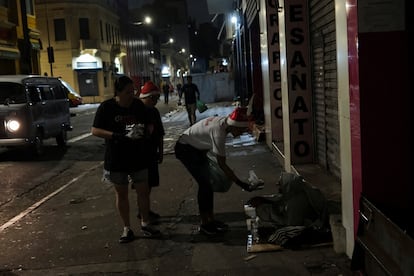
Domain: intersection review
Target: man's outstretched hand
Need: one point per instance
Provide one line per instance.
(245, 186)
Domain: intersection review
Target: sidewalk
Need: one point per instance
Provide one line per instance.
(76, 232)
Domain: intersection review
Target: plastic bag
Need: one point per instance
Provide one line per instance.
(201, 106)
(218, 180)
(255, 182)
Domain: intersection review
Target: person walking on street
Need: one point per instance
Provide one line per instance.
(179, 92)
(124, 123)
(191, 95)
(166, 91)
(191, 149)
(149, 95)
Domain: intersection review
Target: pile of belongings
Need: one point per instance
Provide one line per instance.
(294, 217)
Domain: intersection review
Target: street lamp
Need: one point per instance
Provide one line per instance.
(169, 41)
(147, 21)
(139, 47)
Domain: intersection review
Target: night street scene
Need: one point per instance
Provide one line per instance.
(206, 137)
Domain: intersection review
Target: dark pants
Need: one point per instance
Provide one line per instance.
(196, 162)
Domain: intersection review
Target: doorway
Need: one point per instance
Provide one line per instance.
(88, 83)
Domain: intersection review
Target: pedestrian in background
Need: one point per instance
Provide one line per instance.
(149, 95)
(191, 149)
(124, 123)
(179, 92)
(191, 95)
(166, 91)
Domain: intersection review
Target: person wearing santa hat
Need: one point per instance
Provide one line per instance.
(209, 135)
(150, 95)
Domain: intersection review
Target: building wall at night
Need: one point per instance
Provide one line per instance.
(346, 44)
(19, 38)
(87, 45)
(169, 20)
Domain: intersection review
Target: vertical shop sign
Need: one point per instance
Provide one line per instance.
(299, 86)
(274, 70)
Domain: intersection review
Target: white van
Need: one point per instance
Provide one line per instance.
(33, 108)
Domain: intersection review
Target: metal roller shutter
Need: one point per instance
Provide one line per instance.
(324, 80)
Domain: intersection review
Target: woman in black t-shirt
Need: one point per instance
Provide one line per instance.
(125, 124)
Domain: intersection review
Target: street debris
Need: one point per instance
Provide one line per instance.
(251, 257)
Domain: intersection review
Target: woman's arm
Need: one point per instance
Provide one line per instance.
(102, 133)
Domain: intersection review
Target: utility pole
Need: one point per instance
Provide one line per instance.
(26, 47)
(50, 53)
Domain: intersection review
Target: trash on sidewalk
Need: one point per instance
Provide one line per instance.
(254, 244)
(258, 132)
(243, 140)
(250, 257)
(263, 247)
(295, 217)
(77, 200)
(255, 182)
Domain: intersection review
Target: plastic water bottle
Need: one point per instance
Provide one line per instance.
(255, 229)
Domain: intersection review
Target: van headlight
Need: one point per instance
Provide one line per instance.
(13, 125)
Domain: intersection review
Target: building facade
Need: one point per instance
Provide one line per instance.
(333, 79)
(19, 38)
(83, 44)
(166, 54)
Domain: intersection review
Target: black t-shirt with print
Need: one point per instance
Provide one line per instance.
(124, 155)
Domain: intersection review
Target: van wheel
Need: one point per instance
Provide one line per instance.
(62, 138)
(37, 147)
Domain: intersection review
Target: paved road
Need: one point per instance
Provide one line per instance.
(75, 231)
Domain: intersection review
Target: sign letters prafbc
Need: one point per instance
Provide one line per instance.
(274, 70)
(299, 76)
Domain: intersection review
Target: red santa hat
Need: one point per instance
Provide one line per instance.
(238, 117)
(149, 89)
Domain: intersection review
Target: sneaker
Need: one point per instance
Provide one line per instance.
(209, 229)
(152, 216)
(221, 226)
(127, 236)
(150, 232)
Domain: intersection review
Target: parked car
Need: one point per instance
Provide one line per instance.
(33, 108)
(74, 98)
